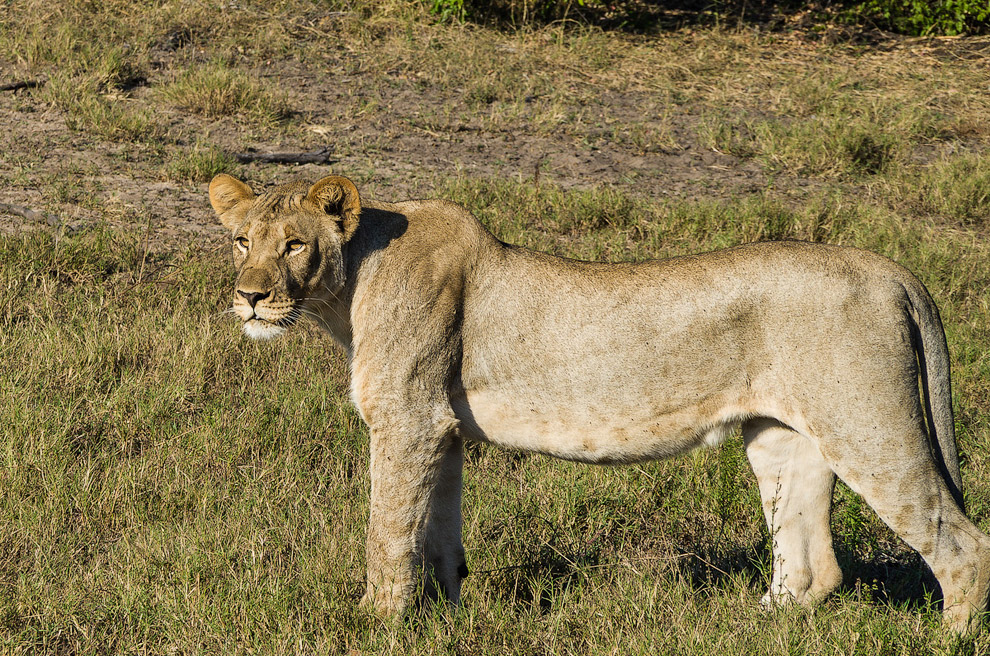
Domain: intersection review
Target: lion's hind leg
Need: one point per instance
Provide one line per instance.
(796, 488)
(906, 489)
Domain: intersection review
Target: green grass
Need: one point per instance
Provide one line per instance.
(954, 188)
(829, 126)
(94, 55)
(198, 164)
(91, 106)
(171, 486)
(216, 90)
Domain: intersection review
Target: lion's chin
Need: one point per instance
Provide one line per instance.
(262, 330)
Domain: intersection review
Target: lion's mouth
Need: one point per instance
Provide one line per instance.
(257, 327)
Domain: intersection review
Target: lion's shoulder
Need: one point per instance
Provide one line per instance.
(439, 231)
(425, 248)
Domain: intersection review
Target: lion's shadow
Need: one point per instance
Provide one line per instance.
(547, 570)
(884, 580)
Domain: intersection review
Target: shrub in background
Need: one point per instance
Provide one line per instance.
(514, 12)
(912, 17)
(931, 17)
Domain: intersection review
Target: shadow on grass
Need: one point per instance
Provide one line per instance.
(548, 569)
(904, 582)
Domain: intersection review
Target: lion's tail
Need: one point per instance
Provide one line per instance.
(933, 366)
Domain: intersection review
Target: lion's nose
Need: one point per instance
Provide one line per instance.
(253, 297)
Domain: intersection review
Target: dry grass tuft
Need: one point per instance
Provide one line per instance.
(215, 90)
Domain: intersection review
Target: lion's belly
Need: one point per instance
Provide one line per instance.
(592, 432)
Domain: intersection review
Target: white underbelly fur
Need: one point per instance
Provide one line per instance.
(590, 433)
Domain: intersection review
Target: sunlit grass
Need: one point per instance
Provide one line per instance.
(170, 487)
(198, 164)
(216, 90)
(173, 485)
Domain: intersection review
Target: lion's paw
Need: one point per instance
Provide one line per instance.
(777, 599)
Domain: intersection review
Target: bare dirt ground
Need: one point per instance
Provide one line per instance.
(403, 160)
(396, 131)
(391, 151)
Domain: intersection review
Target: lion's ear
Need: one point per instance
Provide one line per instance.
(338, 196)
(225, 192)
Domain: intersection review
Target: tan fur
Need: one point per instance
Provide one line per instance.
(814, 351)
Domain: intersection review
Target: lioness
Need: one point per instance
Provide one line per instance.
(814, 351)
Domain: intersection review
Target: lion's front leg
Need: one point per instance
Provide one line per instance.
(445, 564)
(407, 463)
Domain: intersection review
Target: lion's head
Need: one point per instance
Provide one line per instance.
(288, 247)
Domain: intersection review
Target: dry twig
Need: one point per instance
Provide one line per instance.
(21, 84)
(31, 215)
(313, 157)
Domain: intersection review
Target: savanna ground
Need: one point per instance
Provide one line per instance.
(169, 487)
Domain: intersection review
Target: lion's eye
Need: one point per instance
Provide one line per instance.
(242, 243)
(294, 246)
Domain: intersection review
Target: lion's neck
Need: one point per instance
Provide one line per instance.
(334, 316)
